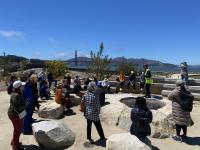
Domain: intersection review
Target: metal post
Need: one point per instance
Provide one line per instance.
(76, 58)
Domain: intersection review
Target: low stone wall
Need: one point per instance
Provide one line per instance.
(165, 93)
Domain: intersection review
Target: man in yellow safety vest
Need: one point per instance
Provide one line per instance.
(148, 80)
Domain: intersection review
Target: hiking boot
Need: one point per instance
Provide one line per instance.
(177, 138)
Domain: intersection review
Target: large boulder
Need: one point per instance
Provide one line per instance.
(110, 113)
(126, 141)
(75, 100)
(124, 118)
(53, 134)
(51, 110)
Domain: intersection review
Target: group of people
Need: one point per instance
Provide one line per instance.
(145, 80)
(25, 93)
(23, 100)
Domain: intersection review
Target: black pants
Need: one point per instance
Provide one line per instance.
(178, 129)
(148, 93)
(98, 127)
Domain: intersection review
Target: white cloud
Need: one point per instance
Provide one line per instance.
(13, 34)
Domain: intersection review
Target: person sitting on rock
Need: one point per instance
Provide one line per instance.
(77, 85)
(141, 118)
(180, 112)
(106, 85)
(62, 96)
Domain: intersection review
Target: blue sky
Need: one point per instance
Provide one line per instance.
(165, 30)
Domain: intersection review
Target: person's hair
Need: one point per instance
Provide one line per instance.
(141, 103)
(12, 78)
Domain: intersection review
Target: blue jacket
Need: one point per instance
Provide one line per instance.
(28, 93)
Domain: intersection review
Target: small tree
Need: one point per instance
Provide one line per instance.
(99, 63)
(126, 67)
(57, 68)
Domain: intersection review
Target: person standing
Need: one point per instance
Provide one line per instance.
(17, 106)
(50, 79)
(13, 78)
(184, 71)
(141, 118)
(142, 81)
(131, 81)
(148, 80)
(29, 97)
(92, 111)
(180, 112)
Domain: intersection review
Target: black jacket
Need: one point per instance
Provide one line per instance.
(141, 120)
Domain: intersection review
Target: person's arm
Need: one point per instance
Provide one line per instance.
(171, 95)
(133, 115)
(150, 116)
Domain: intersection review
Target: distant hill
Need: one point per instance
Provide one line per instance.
(13, 63)
(155, 65)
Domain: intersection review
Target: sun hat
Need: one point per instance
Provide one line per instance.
(17, 84)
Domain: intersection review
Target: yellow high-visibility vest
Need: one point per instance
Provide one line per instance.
(148, 80)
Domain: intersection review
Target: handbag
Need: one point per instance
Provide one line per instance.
(82, 106)
(21, 114)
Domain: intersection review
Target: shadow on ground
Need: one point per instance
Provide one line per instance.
(70, 113)
(192, 141)
(34, 147)
(155, 148)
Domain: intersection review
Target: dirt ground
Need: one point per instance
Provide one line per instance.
(77, 123)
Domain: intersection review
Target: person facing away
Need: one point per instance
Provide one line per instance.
(148, 80)
(141, 118)
(184, 71)
(92, 111)
(17, 105)
(181, 117)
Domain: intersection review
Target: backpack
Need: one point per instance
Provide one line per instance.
(186, 101)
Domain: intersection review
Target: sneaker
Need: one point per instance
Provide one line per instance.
(177, 138)
(91, 141)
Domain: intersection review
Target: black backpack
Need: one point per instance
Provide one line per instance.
(186, 101)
